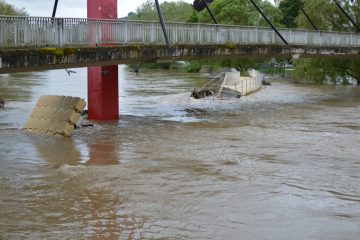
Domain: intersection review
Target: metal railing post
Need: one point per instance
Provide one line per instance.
(15, 34)
(256, 36)
(238, 35)
(273, 37)
(126, 32)
(321, 40)
(290, 33)
(176, 34)
(26, 31)
(60, 32)
(98, 30)
(152, 34)
(198, 33)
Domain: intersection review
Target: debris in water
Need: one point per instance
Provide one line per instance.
(55, 115)
(197, 94)
(265, 83)
(2, 102)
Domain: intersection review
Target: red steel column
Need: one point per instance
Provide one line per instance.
(103, 86)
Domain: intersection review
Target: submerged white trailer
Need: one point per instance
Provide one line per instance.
(234, 84)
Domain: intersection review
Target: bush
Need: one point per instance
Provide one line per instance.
(193, 66)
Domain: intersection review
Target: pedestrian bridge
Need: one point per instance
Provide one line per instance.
(37, 43)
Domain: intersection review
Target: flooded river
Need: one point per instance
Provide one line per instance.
(283, 163)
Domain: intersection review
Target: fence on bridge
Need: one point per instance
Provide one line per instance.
(60, 32)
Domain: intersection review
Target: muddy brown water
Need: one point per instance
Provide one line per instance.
(283, 163)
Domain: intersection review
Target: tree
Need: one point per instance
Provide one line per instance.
(8, 9)
(327, 16)
(147, 11)
(194, 18)
(241, 12)
(228, 12)
(323, 13)
(290, 10)
(172, 11)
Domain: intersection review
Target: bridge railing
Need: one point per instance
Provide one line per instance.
(60, 32)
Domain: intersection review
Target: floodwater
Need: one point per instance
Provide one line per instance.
(282, 163)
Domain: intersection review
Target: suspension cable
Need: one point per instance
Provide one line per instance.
(347, 15)
(269, 22)
(54, 9)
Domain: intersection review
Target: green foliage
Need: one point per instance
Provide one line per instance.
(193, 66)
(194, 18)
(172, 11)
(309, 70)
(8, 9)
(146, 11)
(236, 12)
(327, 16)
(273, 13)
(321, 13)
(274, 67)
(321, 70)
(229, 12)
(290, 10)
(241, 12)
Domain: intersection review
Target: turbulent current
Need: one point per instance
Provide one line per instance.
(282, 163)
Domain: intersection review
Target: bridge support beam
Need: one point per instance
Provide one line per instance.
(103, 88)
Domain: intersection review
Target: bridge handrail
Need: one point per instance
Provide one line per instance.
(21, 31)
(169, 22)
(125, 20)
